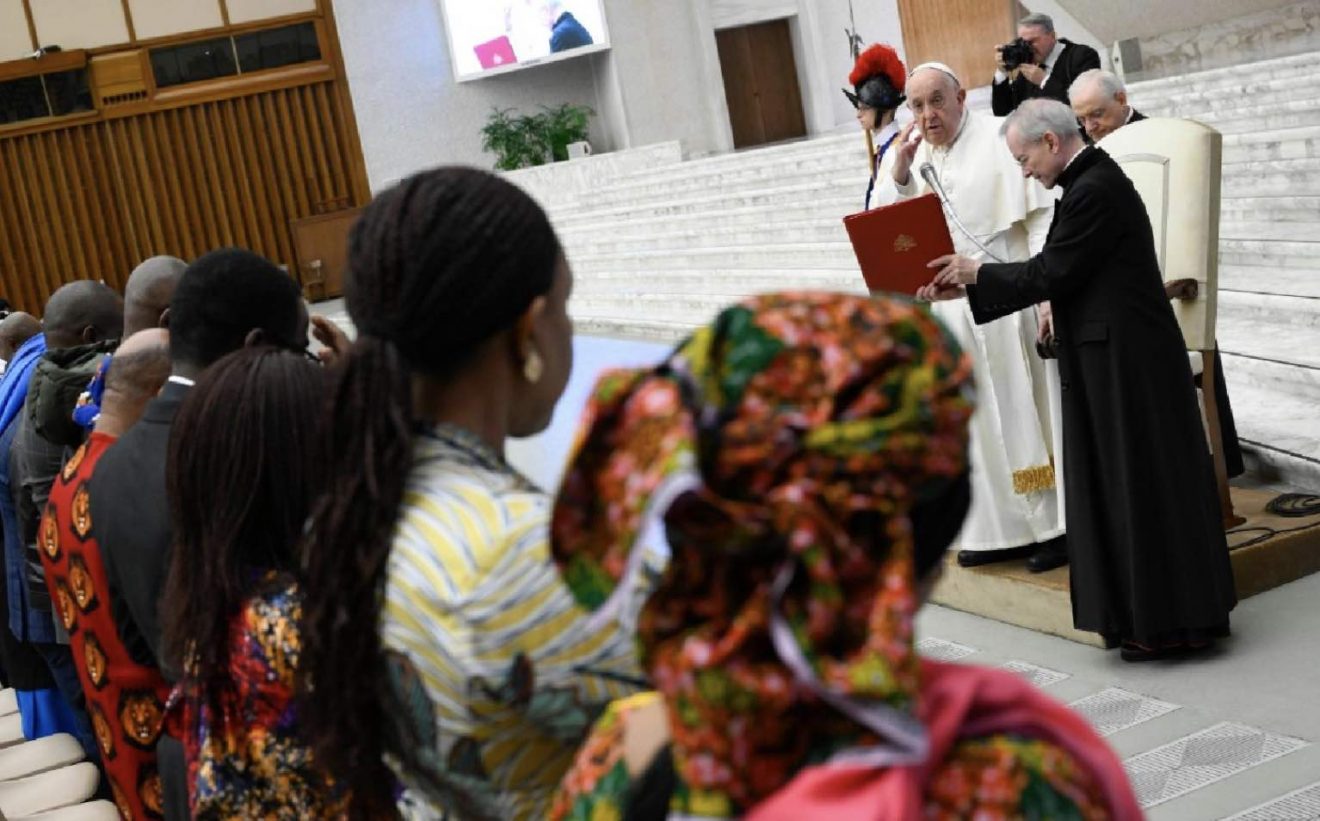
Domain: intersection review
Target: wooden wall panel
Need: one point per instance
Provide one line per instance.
(93, 200)
(961, 33)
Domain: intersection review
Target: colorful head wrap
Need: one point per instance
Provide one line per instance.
(780, 452)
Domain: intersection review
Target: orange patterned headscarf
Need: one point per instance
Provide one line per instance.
(779, 453)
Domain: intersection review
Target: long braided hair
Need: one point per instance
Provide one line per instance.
(437, 266)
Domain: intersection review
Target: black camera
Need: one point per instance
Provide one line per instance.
(1017, 53)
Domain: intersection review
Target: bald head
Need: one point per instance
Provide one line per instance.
(138, 370)
(148, 293)
(937, 102)
(81, 313)
(16, 329)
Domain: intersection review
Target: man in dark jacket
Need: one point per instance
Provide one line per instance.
(81, 321)
(1099, 99)
(224, 300)
(1058, 63)
(1150, 565)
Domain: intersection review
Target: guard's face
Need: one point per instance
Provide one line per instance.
(937, 105)
(868, 117)
(1100, 116)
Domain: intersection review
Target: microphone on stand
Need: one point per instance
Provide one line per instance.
(932, 179)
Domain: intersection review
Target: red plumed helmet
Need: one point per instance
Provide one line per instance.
(880, 59)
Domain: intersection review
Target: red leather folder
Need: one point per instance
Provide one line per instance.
(496, 53)
(894, 243)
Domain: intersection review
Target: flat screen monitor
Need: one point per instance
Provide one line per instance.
(488, 37)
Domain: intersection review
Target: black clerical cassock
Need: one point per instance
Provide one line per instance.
(1145, 535)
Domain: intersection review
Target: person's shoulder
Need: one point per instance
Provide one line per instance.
(1078, 51)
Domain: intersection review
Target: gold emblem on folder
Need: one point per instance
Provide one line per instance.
(904, 243)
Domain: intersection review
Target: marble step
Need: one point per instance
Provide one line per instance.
(848, 171)
(1188, 101)
(731, 284)
(1247, 178)
(1250, 242)
(1281, 144)
(718, 202)
(1286, 207)
(834, 144)
(1242, 79)
(786, 256)
(1290, 114)
(1274, 253)
(1280, 281)
(1282, 231)
(1279, 431)
(718, 234)
(1274, 339)
(1250, 372)
(1275, 309)
(1287, 178)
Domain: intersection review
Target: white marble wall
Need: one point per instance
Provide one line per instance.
(1279, 32)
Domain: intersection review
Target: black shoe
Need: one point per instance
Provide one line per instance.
(976, 558)
(1131, 651)
(1049, 555)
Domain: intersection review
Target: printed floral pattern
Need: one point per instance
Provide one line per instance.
(245, 757)
(814, 421)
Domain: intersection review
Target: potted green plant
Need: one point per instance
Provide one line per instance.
(523, 141)
(514, 139)
(564, 125)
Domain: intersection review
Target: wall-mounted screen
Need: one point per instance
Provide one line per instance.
(495, 36)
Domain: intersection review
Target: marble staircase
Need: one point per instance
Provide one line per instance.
(660, 249)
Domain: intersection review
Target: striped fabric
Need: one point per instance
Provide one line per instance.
(479, 611)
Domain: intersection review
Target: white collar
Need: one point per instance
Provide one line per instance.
(1054, 54)
(1131, 111)
(182, 380)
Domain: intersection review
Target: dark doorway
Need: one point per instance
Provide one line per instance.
(761, 83)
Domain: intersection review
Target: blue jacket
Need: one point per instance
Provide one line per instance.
(13, 394)
(568, 34)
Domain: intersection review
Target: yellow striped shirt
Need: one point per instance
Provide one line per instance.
(470, 589)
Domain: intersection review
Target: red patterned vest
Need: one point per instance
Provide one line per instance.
(126, 700)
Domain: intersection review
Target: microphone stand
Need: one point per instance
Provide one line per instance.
(932, 179)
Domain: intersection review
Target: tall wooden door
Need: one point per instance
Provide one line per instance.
(960, 33)
(761, 83)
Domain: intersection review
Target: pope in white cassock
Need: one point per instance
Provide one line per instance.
(1017, 489)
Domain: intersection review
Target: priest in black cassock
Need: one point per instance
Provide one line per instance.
(1150, 566)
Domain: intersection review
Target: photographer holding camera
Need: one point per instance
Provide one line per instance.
(1037, 64)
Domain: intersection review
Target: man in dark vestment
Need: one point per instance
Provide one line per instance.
(1100, 101)
(566, 33)
(1150, 565)
(1058, 63)
(223, 301)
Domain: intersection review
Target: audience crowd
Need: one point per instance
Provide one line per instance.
(257, 582)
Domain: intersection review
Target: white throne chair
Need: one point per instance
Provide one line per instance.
(1176, 166)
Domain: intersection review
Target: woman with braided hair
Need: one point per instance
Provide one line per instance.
(439, 637)
(805, 460)
(878, 80)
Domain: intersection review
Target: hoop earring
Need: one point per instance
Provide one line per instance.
(533, 367)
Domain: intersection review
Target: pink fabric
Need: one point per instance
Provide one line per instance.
(957, 703)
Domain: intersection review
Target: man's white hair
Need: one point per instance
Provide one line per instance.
(1036, 118)
(1040, 21)
(1107, 81)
